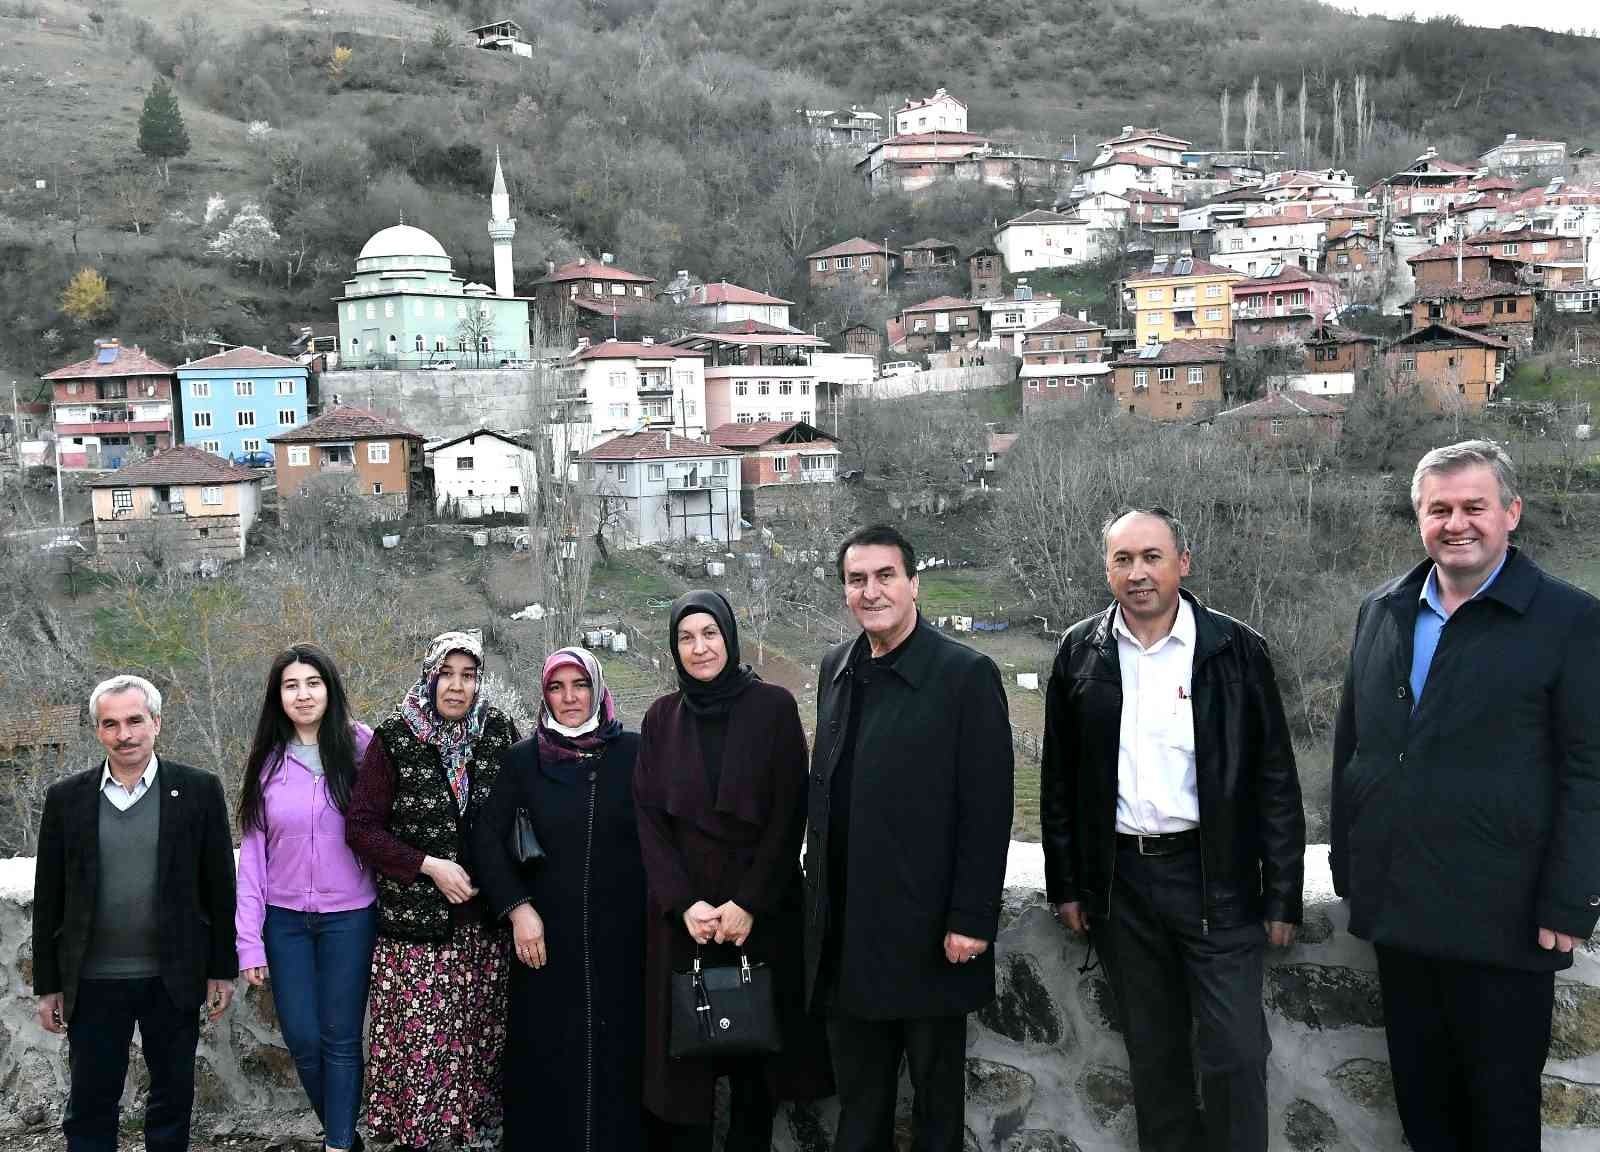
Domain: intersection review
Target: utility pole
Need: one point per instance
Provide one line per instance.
(16, 432)
(61, 500)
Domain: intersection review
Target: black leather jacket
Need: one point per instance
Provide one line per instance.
(1252, 827)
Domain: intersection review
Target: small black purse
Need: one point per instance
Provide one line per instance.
(522, 842)
(723, 1011)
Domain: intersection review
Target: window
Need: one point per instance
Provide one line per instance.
(763, 388)
(656, 472)
(377, 451)
(1213, 291)
(72, 388)
(1197, 375)
(299, 455)
(741, 389)
(416, 309)
(1408, 363)
(780, 463)
(1297, 299)
(1052, 382)
(244, 419)
(744, 418)
(1343, 259)
(1080, 342)
(212, 446)
(211, 495)
(596, 288)
(122, 499)
(1540, 247)
(639, 292)
(1141, 377)
(1508, 249)
(619, 289)
(690, 408)
(1166, 375)
(200, 389)
(1213, 313)
(438, 309)
(785, 389)
(719, 467)
(461, 311)
(202, 419)
(285, 387)
(388, 309)
(244, 387)
(418, 343)
(372, 310)
(1154, 294)
(1033, 385)
(285, 417)
(572, 292)
(822, 265)
(463, 463)
(377, 487)
(1158, 318)
(205, 532)
(841, 262)
(250, 444)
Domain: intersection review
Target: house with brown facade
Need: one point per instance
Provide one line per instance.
(942, 324)
(1487, 306)
(1338, 361)
(776, 458)
(862, 339)
(599, 298)
(111, 408)
(1455, 369)
(1178, 380)
(854, 261)
(1282, 306)
(1065, 340)
(182, 508)
(1355, 261)
(1453, 263)
(930, 255)
(986, 274)
(1550, 260)
(1286, 417)
(374, 457)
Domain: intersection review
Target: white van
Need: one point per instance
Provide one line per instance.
(899, 368)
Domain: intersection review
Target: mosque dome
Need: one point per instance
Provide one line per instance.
(402, 240)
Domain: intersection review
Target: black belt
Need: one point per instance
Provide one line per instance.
(1169, 844)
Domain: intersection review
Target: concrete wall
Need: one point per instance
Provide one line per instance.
(1046, 1069)
(439, 404)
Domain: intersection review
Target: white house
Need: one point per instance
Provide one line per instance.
(940, 112)
(1008, 319)
(481, 473)
(1254, 244)
(1515, 155)
(1119, 171)
(1042, 239)
(724, 303)
(657, 486)
(1147, 142)
(756, 372)
(622, 385)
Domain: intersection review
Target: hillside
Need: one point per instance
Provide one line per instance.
(662, 132)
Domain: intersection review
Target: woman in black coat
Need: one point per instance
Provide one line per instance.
(720, 789)
(575, 1021)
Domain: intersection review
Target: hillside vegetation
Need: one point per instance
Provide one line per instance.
(662, 132)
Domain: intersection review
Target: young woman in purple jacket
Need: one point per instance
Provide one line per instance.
(306, 910)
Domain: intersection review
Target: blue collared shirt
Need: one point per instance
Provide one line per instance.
(1430, 623)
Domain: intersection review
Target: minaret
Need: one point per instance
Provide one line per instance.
(501, 229)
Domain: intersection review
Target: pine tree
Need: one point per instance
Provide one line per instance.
(162, 134)
(86, 298)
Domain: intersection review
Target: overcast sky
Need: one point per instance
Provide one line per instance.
(1558, 15)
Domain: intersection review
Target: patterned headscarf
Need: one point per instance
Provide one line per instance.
(420, 711)
(560, 742)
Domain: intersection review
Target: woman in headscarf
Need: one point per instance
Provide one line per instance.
(575, 1027)
(439, 969)
(720, 789)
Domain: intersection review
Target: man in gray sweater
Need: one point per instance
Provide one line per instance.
(132, 920)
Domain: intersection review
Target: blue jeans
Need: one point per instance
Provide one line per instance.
(320, 964)
(98, 1036)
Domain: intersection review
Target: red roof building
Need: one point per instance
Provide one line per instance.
(777, 454)
(111, 408)
(597, 297)
(373, 456)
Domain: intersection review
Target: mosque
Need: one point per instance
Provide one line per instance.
(405, 307)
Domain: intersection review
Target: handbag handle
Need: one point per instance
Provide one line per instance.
(702, 995)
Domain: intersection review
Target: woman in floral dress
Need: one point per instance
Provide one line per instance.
(438, 1005)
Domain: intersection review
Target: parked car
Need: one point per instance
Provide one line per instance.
(437, 366)
(899, 368)
(519, 364)
(1402, 229)
(255, 460)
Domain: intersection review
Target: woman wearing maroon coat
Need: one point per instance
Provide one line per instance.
(720, 790)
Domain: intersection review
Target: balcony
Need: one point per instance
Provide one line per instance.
(653, 386)
(1267, 311)
(167, 507)
(694, 481)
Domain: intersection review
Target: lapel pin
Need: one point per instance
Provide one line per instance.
(174, 791)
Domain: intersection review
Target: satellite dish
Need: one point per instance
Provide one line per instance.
(150, 389)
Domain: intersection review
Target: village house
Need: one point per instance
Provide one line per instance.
(832, 128)
(776, 457)
(1456, 370)
(940, 112)
(942, 324)
(1148, 142)
(724, 303)
(1150, 211)
(1257, 242)
(1461, 263)
(1565, 209)
(613, 386)
(930, 255)
(501, 36)
(996, 445)
(1041, 239)
(840, 375)
(911, 163)
(181, 508)
(1282, 305)
(1178, 380)
(598, 298)
(1046, 385)
(1517, 156)
(855, 262)
(985, 273)
(1580, 297)
(111, 408)
(369, 455)
(654, 486)
(1319, 188)
(1286, 417)
(44, 736)
(1337, 362)
(1548, 260)
(1065, 340)
(233, 400)
(1355, 260)
(1484, 306)
(1429, 184)
(1120, 172)
(1006, 320)
(1181, 299)
(861, 339)
(754, 372)
(481, 473)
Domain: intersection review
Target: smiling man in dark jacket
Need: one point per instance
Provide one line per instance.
(1466, 805)
(1170, 811)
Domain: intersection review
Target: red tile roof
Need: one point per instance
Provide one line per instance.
(764, 432)
(184, 464)
(1179, 352)
(1273, 221)
(1140, 196)
(725, 293)
(1459, 335)
(931, 243)
(855, 246)
(346, 422)
(1282, 405)
(1494, 237)
(1065, 324)
(128, 362)
(631, 350)
(755, 328)
(243, 358)
(587, 269)
(1448, 252)
(939, 304)
(1136, 159)
(1333, 334)
(1469, 290)
(652, 446)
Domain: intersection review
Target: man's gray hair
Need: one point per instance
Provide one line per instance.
(1179, 532)
(120, 684)
(1467, 454)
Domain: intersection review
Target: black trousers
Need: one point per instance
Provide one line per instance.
(750, 1109)
(1186, 995)
(1467, 1044)
(866, 1066)
(98, 1037)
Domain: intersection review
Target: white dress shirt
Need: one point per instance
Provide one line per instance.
(123, 798)
(1155, 755)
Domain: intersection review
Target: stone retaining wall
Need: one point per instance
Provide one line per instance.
(1046, 1068)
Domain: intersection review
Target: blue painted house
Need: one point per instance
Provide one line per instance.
(231, 404)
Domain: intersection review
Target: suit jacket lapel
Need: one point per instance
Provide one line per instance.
(170, 794)
(83, 839)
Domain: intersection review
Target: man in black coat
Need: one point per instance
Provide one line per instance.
(132, 920)
(909, 825)
(1466, 805)
(1173, 833)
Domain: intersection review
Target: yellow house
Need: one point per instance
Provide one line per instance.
(1181, 298)
(182, 507)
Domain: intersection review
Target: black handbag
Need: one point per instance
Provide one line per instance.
(723, 1010)
(522, 843)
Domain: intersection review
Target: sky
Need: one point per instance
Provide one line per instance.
(1557, 15)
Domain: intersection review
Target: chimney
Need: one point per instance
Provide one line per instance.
(1127, 129)
(583, 342)
(649, 340)
(1083, 314)
(549, 267)
(1510, 136)
(607, 258)
(668, 435)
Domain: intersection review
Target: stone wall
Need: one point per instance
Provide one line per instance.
(181, 541)
(1046, 1069)
(438, 404)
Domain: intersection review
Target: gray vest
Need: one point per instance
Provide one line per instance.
(125, 942)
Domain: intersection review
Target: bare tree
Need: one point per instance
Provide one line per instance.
(1277, 109)
(1223, 117)
(1338, 120)
(1252, 109)
(1302, 155)
(475, 330)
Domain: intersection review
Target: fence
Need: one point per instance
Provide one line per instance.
(940, 380)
